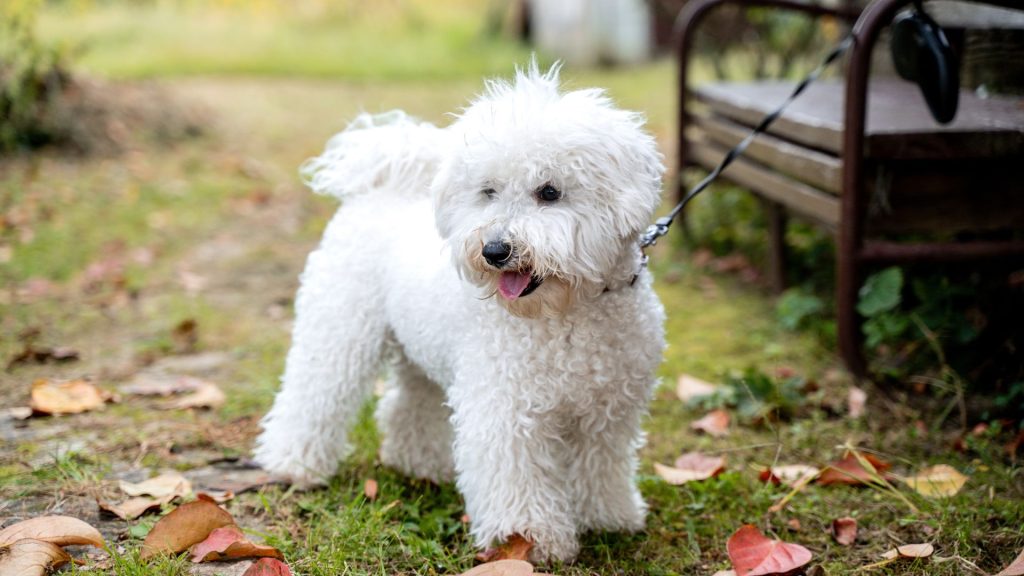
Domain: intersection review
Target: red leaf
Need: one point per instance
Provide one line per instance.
(228, 542)
(844, 530)
(268, 567)
(753, 554)
(850, 471)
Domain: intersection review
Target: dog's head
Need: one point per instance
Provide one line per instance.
(545, 193)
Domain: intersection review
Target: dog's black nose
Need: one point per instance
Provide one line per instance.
(497, 253)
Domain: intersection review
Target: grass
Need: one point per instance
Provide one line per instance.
(229, 209)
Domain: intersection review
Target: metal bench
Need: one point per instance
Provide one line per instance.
(865, 160)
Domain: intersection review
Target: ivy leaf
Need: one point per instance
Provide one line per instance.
(881, 292)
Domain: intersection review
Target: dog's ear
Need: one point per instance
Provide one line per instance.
(636, 170)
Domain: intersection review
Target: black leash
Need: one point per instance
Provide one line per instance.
(661, 225)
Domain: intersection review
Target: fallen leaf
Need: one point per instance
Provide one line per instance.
(850, 471)
(72, 397)
(501, 568)
(691, 467)
(939, 481)
(166, 484)
(229, 543)
(216, 496)
(516, 547)
(27, 557)
(844, 530)
(789, 474)
(57, 530)
(855, 402)
(206, 395)
(132, 508)
(910, 551)
(268, 567)
(186, 525)
(715, 423)
(794, 524)
(1016, 568)
(753, 554)
(725, 573)
(689, 388)
(160, 385)
(370, 489)
(32, 354)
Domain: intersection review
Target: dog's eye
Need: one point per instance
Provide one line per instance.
(548, 193)
(489, 192)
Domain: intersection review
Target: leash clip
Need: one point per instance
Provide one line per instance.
(655, 231)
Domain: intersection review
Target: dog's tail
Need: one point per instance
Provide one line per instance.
(385, 151)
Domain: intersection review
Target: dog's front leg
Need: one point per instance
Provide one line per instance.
(511, 470)
(603, 467)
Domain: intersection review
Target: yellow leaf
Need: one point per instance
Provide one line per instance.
(940, 481)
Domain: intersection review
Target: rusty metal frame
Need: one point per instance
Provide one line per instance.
(853, 253)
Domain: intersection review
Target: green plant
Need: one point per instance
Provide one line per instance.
(32, 79)
(757, 397)
(797, 306)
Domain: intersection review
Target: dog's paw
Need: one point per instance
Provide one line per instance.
(552, 547)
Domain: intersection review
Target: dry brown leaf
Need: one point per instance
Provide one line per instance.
(794, 524)
(788, 474)
(186, 525)
(754, 554)
(1016, 568)
(166, 484)
(910, 551)
(206, 395)
(939, 481)
(855, 402)
(57, 530)
(229, 543)
(714, 423)
(516, 547)
(268, 567)
(27, 557)
(689, 388)
(370, 488)
(216, 496)
(850, 471)
(691, 467)
(501, 568)
(132, 508)
(72, 397)
(844, 530)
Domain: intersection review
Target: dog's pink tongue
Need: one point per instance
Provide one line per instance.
(512, 284)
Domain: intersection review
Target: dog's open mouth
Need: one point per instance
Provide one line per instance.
(512, 285)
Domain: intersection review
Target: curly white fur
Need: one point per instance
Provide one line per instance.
(532, 401)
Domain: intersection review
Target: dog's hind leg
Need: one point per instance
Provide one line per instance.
(337, 347)
(415, 423)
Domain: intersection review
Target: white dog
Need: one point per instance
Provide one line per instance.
(494, 263)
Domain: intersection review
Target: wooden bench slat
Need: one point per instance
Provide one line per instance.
(798, 197)
(899, 125)
(818, 169)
